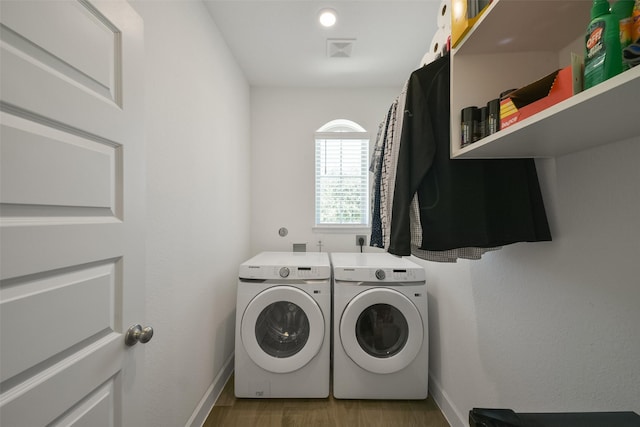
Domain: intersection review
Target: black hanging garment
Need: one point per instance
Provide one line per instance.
(463, 203)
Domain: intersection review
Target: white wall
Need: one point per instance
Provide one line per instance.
(283, 122)
(549, 326)
(197, 130)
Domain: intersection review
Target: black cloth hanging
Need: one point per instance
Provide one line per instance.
(463, 203)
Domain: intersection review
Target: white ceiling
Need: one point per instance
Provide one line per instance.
(280, 42)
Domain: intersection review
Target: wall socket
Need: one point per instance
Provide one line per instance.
(363, 237)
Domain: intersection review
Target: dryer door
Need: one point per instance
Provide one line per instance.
(282, 329)
(381, 330)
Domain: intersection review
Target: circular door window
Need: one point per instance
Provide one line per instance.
(381, 330)
(282, 329)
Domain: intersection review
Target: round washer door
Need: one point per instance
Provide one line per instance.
(282, 329)
(381, 330)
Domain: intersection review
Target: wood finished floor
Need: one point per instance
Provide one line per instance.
(231, 412)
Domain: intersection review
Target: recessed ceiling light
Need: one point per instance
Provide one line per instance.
(327, 17)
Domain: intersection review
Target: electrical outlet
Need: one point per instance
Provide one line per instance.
(364, 239)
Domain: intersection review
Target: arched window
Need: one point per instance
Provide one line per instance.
(342, 174)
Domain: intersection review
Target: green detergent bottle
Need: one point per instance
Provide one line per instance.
(623, 9)
(603, 53)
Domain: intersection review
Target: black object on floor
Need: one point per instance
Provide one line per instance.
(483, 417)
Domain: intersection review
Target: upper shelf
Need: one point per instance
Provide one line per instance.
(526, 26)
(605, 113)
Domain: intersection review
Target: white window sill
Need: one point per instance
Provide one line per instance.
(341, 229)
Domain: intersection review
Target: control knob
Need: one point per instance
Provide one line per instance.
(284, 272)
(380, 274)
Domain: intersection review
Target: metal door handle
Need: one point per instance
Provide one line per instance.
(137, 334)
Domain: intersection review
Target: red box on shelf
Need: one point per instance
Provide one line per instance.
(536, 96)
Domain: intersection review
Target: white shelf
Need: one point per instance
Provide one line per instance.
(527, 26)
(605, 113)
(516, 42)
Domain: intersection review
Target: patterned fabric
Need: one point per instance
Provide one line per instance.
(390, 166)
(451, 255)
(384, 176)
(376, 169)
(383, 168)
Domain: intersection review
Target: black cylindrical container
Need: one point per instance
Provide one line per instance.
(468, 129)
(493, 116)
(482, 122)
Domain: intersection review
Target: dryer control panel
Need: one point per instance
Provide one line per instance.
(284, 272)
(375, 268)
(384, 275)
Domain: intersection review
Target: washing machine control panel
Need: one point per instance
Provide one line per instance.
(280, 272)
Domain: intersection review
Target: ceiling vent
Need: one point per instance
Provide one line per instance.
(340, 48)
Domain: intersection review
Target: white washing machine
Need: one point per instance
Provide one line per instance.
(380, 339)
(283, 326)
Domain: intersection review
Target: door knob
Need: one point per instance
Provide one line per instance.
(137, 334)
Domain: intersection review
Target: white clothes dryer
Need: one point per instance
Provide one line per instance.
(283, 326)
(380, 340)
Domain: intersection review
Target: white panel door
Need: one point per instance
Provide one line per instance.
(71, 213)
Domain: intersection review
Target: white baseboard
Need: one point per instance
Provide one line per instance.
(448, 409)
(209, 399)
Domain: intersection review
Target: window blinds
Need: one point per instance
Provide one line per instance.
(342, 179)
